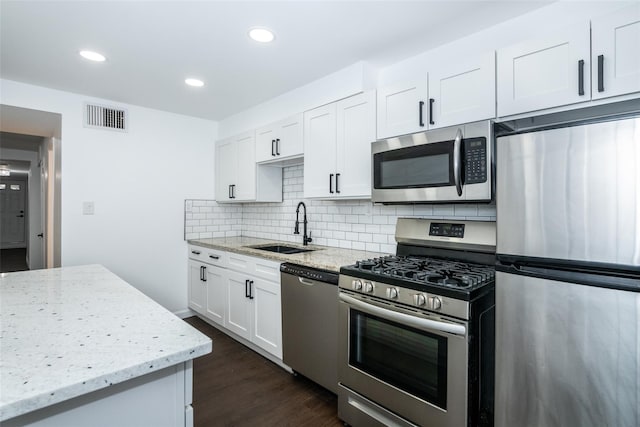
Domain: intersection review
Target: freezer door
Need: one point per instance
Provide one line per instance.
(571, 193)
(566, 354)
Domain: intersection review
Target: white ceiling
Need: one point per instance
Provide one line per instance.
(152, 46)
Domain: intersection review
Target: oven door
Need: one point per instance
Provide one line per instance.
(410, 364)
(445, 165)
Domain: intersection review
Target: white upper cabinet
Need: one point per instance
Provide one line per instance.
(616, 53)
(452, 92)
(238, 179)
(280, 141)
(401, 108)
(545, 72)
(463, 91)
(337, 147)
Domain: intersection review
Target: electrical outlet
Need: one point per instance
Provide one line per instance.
(88, 208)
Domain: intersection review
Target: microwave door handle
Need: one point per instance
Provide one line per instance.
(405, 319)
(457, 162)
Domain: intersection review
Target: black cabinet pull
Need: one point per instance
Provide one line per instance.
(246, 288)
(214, 257)
(273, 143)
(204, 273)
(581, 77)
(230, 196)
(331, 183)
(431, 101)
(337, 183)
(600, 73)
(195, 252)
(201, 274)
(278, 146)
(250, 289)
(232, 191)
(420, 108)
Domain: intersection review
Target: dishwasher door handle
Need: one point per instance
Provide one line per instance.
(305, 281)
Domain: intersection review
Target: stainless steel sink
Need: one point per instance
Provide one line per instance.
(282, 249)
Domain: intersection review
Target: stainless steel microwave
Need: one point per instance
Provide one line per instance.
(447, 165)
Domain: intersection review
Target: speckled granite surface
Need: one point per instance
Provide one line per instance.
(323, 257)
(68, 331)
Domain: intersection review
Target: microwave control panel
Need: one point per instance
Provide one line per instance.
(475, 155)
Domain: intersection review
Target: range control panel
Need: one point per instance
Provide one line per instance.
(475, 155)
(442, 229)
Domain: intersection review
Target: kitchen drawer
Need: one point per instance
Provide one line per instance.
(209, 256)
(258, 267)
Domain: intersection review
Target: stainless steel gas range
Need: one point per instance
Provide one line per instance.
(416, 330)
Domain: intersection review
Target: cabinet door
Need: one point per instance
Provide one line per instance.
(267, 319)
(239, 308)
(545, 72)
(266, 143)
(463, 91)
(402, 108)
(216, 283)
(320, 151)
(245, 188)
(197, 287)
(289, 139)
(616, 53)
(356, 130)
(226, 161)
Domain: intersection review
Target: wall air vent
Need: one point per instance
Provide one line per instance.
(104, 117)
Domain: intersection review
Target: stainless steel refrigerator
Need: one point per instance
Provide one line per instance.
(568, 276)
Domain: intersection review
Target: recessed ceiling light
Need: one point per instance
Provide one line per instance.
(92, 56)
(194, 82)
(262, 35)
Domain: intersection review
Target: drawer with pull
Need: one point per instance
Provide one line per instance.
(209, 256)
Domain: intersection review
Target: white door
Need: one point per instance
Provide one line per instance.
(197, 287)
(289, 139)
(12, 213)
(356, 130)
(545, 72)
(267, 319)
(616, 53)
(239, 308)
(266, 143)
(226, 165)
(464, 90)
(245, 184)
(402, 108)
(216, 279)
(320, 151)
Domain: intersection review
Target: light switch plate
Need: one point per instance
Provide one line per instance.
(88, 208)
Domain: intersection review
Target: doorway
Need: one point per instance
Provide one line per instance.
(30, 212)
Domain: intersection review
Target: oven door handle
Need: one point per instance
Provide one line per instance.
(416, 322)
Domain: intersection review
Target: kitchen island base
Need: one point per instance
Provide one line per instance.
(159, 399)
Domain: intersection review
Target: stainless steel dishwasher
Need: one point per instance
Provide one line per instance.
(310, 323)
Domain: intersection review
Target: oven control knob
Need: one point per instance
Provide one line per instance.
(356, 285)
(435, 303)
(419, 299)
(392, 293)
(368, 287)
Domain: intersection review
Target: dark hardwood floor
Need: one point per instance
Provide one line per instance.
(234, 386)
(13, 260)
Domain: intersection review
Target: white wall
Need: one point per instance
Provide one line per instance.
(34, 224)
(138, 182)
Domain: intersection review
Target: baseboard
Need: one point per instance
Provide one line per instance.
(183, 314)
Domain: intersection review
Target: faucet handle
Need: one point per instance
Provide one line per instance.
(309, 240)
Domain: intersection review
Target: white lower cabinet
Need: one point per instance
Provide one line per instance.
(242, 295)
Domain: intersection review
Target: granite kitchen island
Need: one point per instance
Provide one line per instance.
(80, 346)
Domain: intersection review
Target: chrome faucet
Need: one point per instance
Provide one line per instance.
(305, 239)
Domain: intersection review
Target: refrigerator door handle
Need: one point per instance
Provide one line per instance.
(457, 162)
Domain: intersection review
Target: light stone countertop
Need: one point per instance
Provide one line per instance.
(322, 257)
(68, 331)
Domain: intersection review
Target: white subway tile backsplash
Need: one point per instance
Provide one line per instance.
(355, 224)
